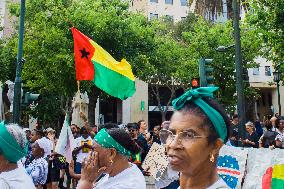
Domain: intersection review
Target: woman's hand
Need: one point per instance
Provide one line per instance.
(91, 169)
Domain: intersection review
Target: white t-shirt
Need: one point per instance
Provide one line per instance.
(220, 184)
(130, 178)
(83, 153)
(280, 137)
(15, 179)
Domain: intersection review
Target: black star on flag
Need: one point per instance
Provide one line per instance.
(84, 53)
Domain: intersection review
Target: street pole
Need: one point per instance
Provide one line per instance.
(279, 105)
(20, 61)
(239, 71)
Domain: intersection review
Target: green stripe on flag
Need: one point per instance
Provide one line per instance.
(112, 82)
(277, 183)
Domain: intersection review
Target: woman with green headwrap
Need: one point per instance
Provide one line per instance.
(197, 131)
(112, 148)
(13, 147)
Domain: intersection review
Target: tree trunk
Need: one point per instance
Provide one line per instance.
(93, 97)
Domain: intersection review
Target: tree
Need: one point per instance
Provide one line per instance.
(203, 37)
(267, 17)
(48, 45)
(213, 9)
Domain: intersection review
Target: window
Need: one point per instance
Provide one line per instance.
(267, 71)
(183, 2)
(154, 1)
(255, 71)
(153, 16)
(169, 2)
(182, 18)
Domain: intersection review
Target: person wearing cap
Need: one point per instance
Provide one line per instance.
(198, 129)
(13, 147)
(251, 139)
(38, 168)
(112, 148)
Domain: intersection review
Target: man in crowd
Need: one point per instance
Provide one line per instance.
(75, 130)
(233, 138)
(133, 131)
(143, 138)
(156, 134)
(84, 144)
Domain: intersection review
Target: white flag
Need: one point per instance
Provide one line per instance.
(66, 142)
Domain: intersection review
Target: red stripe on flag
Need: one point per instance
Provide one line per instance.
(229, 171)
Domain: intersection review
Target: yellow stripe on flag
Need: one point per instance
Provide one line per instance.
(278, 171)
(105, 59)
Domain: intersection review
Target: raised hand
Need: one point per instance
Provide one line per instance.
(90, 168)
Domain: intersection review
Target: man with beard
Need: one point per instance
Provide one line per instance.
(75, 130)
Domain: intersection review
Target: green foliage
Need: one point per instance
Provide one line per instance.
(48, 46)
(7, 59)
(161, 53)
(267, 16)
(203, 37)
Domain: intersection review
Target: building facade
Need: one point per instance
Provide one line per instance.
(175, 10)
(262, 78)
(5, 19)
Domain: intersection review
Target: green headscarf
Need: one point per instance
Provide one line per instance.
(195, 96)
(9, 147)
(106, 141)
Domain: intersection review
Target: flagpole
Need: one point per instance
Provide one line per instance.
(79, 93)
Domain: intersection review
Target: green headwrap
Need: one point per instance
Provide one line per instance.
(106, 141)
(9, 147)
(195, 96)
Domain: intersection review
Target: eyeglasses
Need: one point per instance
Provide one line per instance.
(167, 137)
(131, 130)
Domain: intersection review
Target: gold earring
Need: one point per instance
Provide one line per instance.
(212, 158)
(111, 162)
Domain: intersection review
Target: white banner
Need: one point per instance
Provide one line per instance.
(231, 165)
(259, 161)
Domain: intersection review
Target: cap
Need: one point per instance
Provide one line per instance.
(49, 129)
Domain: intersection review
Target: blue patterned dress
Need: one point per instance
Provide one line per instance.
(38, 170)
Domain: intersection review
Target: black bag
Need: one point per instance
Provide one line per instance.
(269, 138)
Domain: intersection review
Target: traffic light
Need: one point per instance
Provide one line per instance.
(205, 72)
(195, 83)
(30, 97)
(245, 75)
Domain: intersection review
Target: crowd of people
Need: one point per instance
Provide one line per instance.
(111, 156)
(266, 134)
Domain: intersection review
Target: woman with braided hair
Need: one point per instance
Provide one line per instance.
(112, 148)
(197, 131)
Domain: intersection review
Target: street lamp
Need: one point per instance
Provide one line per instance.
(276, 78)
(224, 48)
(20, 62)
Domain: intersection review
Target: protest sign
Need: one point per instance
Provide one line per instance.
(261, 164)
(231, 165)
(156, 161)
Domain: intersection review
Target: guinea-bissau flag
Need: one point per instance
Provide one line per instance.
(93, 63)
(274, 177)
